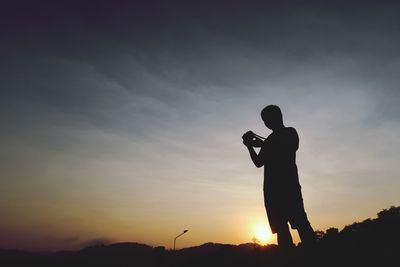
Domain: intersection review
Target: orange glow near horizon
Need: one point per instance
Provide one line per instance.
(262, 233)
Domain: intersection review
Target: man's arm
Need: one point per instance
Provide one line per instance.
(256, 158)
(251, 141)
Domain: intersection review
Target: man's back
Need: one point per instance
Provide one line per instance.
(279, 155)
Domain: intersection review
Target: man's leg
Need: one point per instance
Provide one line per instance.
(284, 237)
(300, 220)
(306, 232)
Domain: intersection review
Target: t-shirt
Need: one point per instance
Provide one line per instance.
(278, 153)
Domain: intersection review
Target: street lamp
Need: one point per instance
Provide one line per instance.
(179, 236)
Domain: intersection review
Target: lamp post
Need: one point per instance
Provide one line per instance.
(179, 236)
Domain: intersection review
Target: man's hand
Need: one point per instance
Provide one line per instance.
(247, 138)
(247, 143)
(257, 142)
(250, 140)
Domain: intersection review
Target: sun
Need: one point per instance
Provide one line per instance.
(262, 234)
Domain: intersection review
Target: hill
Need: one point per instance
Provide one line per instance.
(372, 242)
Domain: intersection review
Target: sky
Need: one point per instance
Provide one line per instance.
(122, 120)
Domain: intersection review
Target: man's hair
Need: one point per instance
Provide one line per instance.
(272, 112)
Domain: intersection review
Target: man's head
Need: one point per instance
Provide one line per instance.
(272, 117)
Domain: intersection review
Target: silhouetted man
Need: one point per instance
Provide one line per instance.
(282, 190)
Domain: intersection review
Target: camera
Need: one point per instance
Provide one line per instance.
(252, 139)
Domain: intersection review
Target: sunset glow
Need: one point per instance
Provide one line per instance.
(262, 233)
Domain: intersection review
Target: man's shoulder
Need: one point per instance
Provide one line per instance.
(291, 131)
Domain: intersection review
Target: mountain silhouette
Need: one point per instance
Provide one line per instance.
(372, 242)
